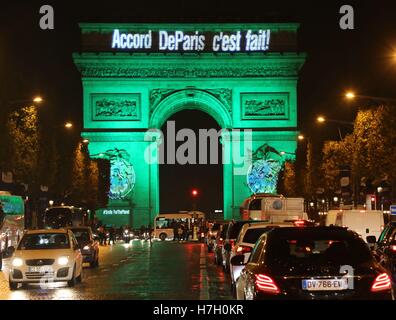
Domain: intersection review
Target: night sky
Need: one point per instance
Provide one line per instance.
(33, 61)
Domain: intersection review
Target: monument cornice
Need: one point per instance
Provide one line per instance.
(181, 66)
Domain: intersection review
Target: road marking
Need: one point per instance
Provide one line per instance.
(203, 276)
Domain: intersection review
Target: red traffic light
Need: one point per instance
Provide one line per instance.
(194, 192)
(372, 198)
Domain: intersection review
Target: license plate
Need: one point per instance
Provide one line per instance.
(325, 284)
(40, 269)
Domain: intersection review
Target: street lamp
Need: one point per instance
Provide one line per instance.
(322, 119)
(300, 137)
(85, 141)
(68, 125)
(350, 95)
(37, 99)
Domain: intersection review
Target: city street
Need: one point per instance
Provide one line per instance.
(167, 271)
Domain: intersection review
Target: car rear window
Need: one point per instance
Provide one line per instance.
(311, 248)
(252, 235)
(82, 235)
(234, 229)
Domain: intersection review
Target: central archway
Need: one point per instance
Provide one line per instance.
(206, 175)
(201, 100)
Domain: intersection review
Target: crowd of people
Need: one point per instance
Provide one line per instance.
(181, 232)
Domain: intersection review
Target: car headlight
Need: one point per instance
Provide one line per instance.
(17, 262)
(86, 248)
(63, 261)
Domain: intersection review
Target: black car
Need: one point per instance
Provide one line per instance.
(312, 263)
(385, 248)
(88, 244)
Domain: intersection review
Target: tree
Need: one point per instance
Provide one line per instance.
(336, 154)
(375, 148)
(85, 180)
(23, 136)
(289, 179)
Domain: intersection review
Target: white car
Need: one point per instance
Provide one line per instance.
(45, 256)
(246, 241)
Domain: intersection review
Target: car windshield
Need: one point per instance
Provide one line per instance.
(252, 235)
(82, 235)
(40, 241)
(311, 247)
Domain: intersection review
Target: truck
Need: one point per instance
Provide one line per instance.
(273, 208)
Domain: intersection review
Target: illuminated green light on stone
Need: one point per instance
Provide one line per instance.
(125, 94)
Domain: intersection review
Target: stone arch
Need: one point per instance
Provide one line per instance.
(191, 99)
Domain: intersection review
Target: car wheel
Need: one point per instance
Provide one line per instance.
(71, 283)
(93, 263)
(13, 285)
(162, 236)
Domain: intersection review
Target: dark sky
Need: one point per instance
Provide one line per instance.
(34, 61)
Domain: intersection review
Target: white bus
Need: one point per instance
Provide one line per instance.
(164, 223)
(12, 221)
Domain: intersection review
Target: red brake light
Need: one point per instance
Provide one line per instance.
(299, 223)
(381, 282)
(393, 247)
(232, 243)
(266, 284)
(244, 249)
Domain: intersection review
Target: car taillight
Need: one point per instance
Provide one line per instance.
(232, 243)
(299, 223)
(266, 284)
(243, 249)
(381, 282)
(393, 248)
(245, 214)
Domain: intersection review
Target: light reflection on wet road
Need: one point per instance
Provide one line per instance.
(166, 270)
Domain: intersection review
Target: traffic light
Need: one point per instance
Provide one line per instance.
(194, 192)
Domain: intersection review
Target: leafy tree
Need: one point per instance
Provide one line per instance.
(23, 136)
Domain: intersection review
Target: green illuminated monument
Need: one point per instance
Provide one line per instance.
(135, 76)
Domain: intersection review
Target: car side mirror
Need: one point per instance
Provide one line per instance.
(371, 239)
(227, 247)
(238, 260)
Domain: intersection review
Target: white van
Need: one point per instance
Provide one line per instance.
(364, 222)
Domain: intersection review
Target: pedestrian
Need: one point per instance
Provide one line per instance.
(186, 233)
(101, 235)
(180, 232)
(175, 230)
(111, 235)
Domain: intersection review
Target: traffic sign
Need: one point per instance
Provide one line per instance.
(393, 209)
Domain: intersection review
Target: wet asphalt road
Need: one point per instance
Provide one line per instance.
(166, 270)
